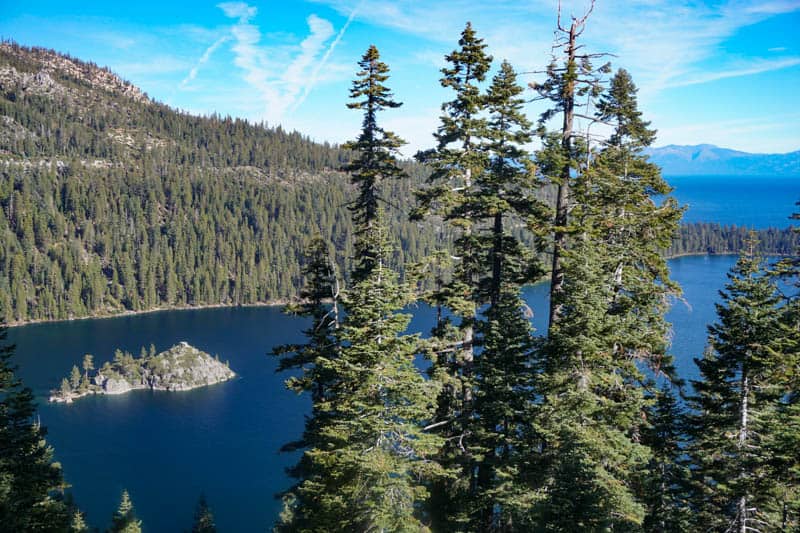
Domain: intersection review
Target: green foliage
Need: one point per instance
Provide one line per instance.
(87, 364)
(666, 485)
(378, 457)
(75, 377)
(591, 409)
(203, 518)
(376, 149)
(459, 157)
(368, 459)
(78, 524)
(607, 328)
(743, 382)
(712, 238)
(31, 484)
(124, 519)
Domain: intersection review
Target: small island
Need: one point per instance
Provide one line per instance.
(182, 367)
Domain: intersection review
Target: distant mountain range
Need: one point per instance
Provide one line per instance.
(709, 159)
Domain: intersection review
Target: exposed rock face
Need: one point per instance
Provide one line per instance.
(182, 367)
(116, 385)
(53, 65)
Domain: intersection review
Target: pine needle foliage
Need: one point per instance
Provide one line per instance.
(31, 483)
(734, 406)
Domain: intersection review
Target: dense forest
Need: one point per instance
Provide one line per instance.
(113, 202)
(583, 427)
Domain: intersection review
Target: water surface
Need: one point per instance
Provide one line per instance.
(167, 447)
(751, 201)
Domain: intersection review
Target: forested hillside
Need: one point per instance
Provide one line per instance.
(114, 202)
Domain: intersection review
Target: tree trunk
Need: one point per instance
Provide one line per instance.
(562, 199)
(742, 445)
(497, 254)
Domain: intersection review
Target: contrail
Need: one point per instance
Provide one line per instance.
(203, 59)
(315, 75)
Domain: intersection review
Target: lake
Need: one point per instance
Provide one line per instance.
(752, 201)
(168, 447)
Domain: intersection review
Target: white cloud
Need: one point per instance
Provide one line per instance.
(282, 75)
(762, 134)
(204, 59)
(315, 74)
(756, 67)
(665, 43)
(298, 71)
(238, 10)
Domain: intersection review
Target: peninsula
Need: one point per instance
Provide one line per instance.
(182, 367)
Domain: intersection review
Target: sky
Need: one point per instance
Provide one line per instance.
(724, 72)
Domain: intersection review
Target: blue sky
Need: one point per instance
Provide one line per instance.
(722, 72)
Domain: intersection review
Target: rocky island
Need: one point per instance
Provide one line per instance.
(182, 367)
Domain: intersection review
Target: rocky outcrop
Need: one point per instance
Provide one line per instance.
(52, 68)
(182, 367)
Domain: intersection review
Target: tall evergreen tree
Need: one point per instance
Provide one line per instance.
(320, 287)
(203, 517)
(460, 156)
(376, 441)
(570, 75)
(591, 409)
(734, 406)
(31, 484)
(78, 524)
(665, 487)
(375, 147)
(608, 325)
(784, 436)
(504, 195)
(370, 460)
(124, 519)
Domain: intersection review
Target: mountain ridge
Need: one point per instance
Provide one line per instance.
(709, 159)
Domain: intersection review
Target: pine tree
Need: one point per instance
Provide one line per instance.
(88, 365)
(784, 436)
(665, 488)
(30, 482)
(124, 519)
(460, 156)
(321, 286)
(570, 75)
(369, 463)
(618, 211)
(591, 409)
(376, 148)
(78, 524)
(381, 404)
(65, 389)
(504, 435)
(734, 406)
(203, 518)
(75, 378)
(504, 380)
(607, 326)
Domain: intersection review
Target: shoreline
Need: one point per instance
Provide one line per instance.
(270, 303)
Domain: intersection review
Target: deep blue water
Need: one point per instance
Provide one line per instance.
(752, 201)
(166, 448)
